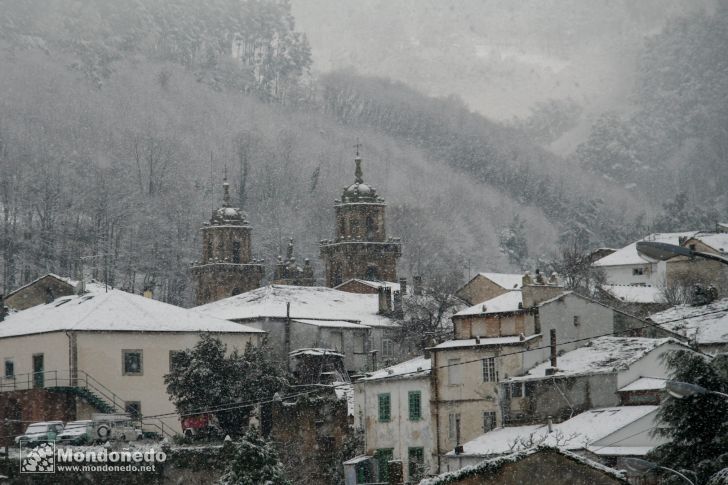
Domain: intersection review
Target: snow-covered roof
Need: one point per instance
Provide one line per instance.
(510, 301)
(315, 351)
(372, 284)
(645, 384)
(331, 323)
(417, 367)
(485, 342)
(574, 434)
(707, 324)
(601, 355)
(717, 241)
(307, 302)
(68, 281)
(505, 280)
(635, 294)
(628, 255)
(492, 465)
(113, 311)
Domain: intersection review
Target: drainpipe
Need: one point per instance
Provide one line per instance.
(72, 358)
(434, 407)
(287, 333)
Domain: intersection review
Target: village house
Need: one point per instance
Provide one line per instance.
(39, 291)
(485, 286)
(543, 465)
(705, 327)
(605, 435)
(628, 267)
(392, 407)
(504, 337)
(588, 377)
(297, 317)
(108, 350)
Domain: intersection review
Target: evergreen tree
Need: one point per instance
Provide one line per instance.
(205, 377)
(513, 241)
(698, 425)
(254, 462)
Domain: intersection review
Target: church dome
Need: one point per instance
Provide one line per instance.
(227, 215)
(359, 191)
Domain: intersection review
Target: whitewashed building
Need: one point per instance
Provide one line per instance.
(298, 317)
(705, 327)
(392, 407)
(109, 349)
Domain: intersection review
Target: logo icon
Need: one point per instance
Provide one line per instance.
(38, 459)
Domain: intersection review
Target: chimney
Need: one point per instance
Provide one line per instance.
(417, 284)
(403, 286)
(374, 359)
(552, 370)
(398, 311)
(550, 423)
(3, 308)
(148, 293)
(388, 298)
(382, 300)
(538, 290)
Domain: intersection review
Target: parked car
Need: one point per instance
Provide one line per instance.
(200, 425)
(113, 427)
(42, 431)
(77, 433)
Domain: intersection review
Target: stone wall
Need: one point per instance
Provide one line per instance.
(21, 408)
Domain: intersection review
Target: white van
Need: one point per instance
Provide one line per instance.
(114, 427)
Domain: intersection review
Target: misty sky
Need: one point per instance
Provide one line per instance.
(498, 55)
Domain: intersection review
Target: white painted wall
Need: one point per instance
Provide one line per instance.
(399, 433)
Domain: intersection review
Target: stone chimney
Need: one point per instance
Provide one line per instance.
(537, 289)
(403, 287)
(417, 284)
(388, 298)
(3, 308)
(397, 299)
(382, 300)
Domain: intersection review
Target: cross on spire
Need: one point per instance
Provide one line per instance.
(357, 145)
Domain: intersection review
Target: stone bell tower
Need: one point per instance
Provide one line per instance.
(227, 267)
(361, 248)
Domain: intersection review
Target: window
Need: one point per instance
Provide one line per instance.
(416, 463)
(372, 273)
(336, 340)
(387, 348)
(454, 374)
(359, 339)
(536, 323)
(414, 399)
(383, 457)
(490, 373)
(454, 423)
(9, 369)
(385, 407)
(638, 271)
(236, 252)
(517, 389)
(131, 362)
(371, 228)
(209, 249)
(577, 320)
(489, 421)
(133, 408)
(692, 247)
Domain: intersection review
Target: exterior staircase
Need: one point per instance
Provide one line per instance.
(100, 404)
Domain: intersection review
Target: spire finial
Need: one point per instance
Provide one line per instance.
(357, 160)
(289, 250)
(226, 189)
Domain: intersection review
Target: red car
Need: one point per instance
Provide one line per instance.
(200, 425)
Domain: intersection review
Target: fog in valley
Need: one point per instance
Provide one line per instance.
(498, 132)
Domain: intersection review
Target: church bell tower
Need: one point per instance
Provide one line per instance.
(361, 248)
(227, 267)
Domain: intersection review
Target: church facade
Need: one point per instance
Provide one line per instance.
(227, 267)
(361, 248)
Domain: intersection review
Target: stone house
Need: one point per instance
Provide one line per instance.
(297, 317)
(42, 290)
(485, 286)
(543, 465)
(108, 350)
(392, 407)
(627, 267)
(585, 378)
